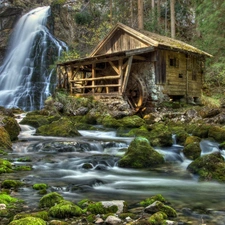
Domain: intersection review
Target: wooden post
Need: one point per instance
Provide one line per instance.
(93, 73)
(120, 81)
(127, 73)
(140, 15)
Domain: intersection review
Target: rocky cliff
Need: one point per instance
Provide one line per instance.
(61, 22)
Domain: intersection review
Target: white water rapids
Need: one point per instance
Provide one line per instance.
(25, 80)
(60, 164)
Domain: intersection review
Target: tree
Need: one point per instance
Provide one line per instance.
(172, 15)
(140, 14)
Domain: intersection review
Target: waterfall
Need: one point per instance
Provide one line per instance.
(25, 78)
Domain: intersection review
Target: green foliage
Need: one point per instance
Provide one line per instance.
(58, 2)
(83, 18)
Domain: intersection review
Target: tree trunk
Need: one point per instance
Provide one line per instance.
(153, 4)
(140, 14)
(158, 12)
(172, 10)
(111, 10)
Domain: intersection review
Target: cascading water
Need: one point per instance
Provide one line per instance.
(25, 78)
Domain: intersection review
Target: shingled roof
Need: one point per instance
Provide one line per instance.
(152, 39)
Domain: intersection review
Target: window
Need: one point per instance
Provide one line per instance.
(180, 75)
(173, 62)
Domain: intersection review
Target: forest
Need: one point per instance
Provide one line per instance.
(196, 22)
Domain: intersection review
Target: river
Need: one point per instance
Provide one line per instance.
(86, 167)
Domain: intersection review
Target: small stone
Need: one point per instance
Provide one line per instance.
(113, 220)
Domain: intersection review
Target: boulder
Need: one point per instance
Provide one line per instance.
(209, 167)
(192, 148)
(113, 220)
(140, 154)
(12, 127)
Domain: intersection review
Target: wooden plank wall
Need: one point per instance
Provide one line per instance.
(121, 41)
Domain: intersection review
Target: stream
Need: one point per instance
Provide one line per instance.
(86, 167)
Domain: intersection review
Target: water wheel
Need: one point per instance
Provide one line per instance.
(136, 92)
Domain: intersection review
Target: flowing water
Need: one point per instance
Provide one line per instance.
(86, 167)
(25, 78)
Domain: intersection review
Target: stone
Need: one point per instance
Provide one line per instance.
(119, 203)
(113, 220)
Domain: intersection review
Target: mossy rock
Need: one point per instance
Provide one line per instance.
(158, 206)
(28, 220)
(61, 128)
(217, 133)
(7, 199)
(131, 121)
(140, 155)
(98, 208)
(15, 184)
(42, 214)
(5, 166)
(12, 127)
(109, 121)
(40, 186)
(35, 120)
(50, 200)
(5, 141)
(209, 168)
(201, 131)
(65, 209)
(192, 148)
(158, 218)
(149, 201)
(23, 168)
(58, 222)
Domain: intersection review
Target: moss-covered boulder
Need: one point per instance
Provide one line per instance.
(12, 184)
(158, 206)
(65, 209)
(12, 127)
(7, 199)
(5, 141)
(192, 148)
(50, 200)
(61, 128)
(152, 199)
(99, 208)
(28, 220)
(131, 121)
(158, 218)
(217, 133)
(40, 186)
(140, 155)
(34, 120)
(201, 131)
(209, 168)
(5, 166)
(41, 214)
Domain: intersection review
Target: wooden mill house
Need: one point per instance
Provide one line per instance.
(138, 66)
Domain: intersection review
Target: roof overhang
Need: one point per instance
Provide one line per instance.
(107, 57)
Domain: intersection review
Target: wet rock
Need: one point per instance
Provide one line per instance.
(192, 148)
(218, 133)
(209, 167)
(5, 141)
(113, 220)
(140, 155)
(121, 205)
(12, 127)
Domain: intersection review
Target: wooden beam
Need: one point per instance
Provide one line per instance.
(127, 73)
(114, 67)
(93, 73)
(139, 57)
(96, 78)
(121, 75)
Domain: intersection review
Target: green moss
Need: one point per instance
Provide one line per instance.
(98, 208)
(35, 120)
(8, 184)
(131, 121)
(50, 199)
(209, 167)
(23, 168)
(65, 209)
(40, 186)
(140, 155)
(5, 141)
(192, 148)
(28, 220)
(201, 131)
(7, 199)
(169, 211)
(125, 215)
(24, 159)
(91, 218)
(109, 121)
(158, 218)
(149, 201)
(42, 214)
(63, 128)
(83, 203)
(12, 127)
(5, 166)
(217, 133)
